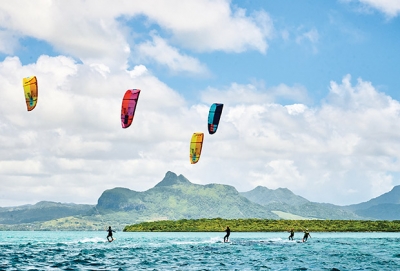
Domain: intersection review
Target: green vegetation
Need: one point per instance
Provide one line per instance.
(264, 225)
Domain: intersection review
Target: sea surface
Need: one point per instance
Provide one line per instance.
(197, 251)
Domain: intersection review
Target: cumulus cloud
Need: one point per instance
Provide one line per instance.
(71, 147)
(83, 29)
(98, 32)
(73, 137)
(346, 146)
(211, 25)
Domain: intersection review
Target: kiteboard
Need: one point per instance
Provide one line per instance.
(111, 240)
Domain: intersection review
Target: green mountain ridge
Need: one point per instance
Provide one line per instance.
(386, 206)
(175, 198)
(42, 211)
(284, 200)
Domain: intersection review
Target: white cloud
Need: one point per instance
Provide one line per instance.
(348, 144)
(279, 173)
(24, 167)
(75, 131)
(71, 147)
(390, 7)
(295, 109)
(86, 30)
(251, 93)
(98, 31)
(211, 25)
(159, 51)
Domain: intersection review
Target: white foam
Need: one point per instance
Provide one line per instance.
(212, 240)
(92, 240)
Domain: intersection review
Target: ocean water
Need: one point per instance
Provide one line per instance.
(198, 251)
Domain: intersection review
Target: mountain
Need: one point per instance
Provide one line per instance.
(42, 211)
(265, 196)
(384, 211)
(175, 197)
(386, 206)
(284, 200)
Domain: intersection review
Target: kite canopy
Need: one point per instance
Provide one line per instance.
(31, 92)
(213, 117)
(128, 108)
(195, 147)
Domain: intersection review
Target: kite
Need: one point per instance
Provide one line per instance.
(195, 147)
(213, 117)
(31, 92)
(128, 108)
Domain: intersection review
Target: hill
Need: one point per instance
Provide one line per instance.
(175, 197)
(284, 200)
(42, 211)
(386, 206)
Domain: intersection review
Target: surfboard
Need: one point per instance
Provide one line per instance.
(111, 240)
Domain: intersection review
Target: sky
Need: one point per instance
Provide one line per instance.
(311, 96)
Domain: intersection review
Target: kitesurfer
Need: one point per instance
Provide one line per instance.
(306, 235)
(228, 232)
(291, 234)
(110, 231)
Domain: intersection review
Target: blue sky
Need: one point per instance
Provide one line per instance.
(310, 88)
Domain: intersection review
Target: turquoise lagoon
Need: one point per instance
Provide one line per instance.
(52, 250)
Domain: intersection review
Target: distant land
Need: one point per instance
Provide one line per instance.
(176, 198)
(265, 225)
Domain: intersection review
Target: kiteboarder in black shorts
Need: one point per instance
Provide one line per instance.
(228, 232)
(110, 231)
(306, 235)
(291, 234)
